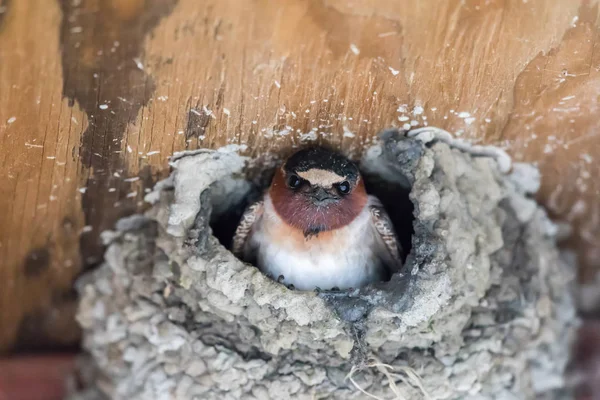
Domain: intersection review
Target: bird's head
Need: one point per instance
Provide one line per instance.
(318, 190)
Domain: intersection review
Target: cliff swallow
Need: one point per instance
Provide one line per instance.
(316, 226)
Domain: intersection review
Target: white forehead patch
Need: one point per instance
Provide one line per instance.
(321, 177)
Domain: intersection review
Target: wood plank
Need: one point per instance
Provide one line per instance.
(95, 95)
(41, 207)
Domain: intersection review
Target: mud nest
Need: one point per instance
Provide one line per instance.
(482, 308)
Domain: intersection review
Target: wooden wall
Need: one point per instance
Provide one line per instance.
(96, 94)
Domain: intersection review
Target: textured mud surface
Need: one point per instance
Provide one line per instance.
(481, 310)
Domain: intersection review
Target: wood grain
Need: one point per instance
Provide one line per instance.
(95, 95)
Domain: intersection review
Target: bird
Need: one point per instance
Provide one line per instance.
(316, 228)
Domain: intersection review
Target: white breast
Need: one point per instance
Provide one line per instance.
(342, 258)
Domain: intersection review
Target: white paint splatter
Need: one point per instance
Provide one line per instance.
(11, 120)
(394, 71)
(418, 110)
(103, 106)
(469, 120)
(133, 179)
(277, 84)
(226, 111)
(354, 49)
(152, 152)
(464, 114)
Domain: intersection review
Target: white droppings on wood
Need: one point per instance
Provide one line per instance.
(310, 136)
(347, 132)
(574, 21)
(138, 63)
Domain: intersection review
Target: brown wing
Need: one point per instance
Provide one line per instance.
(250, 216)
(383, 226)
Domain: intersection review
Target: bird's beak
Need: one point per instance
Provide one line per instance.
(321, 197)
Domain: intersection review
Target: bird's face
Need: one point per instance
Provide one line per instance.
(318, 190)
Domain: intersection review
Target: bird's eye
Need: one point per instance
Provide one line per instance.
(344, 187)
(294, 182)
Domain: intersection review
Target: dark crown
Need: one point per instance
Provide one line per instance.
(322, 158)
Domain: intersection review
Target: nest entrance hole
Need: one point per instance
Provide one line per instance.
(230, 199)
